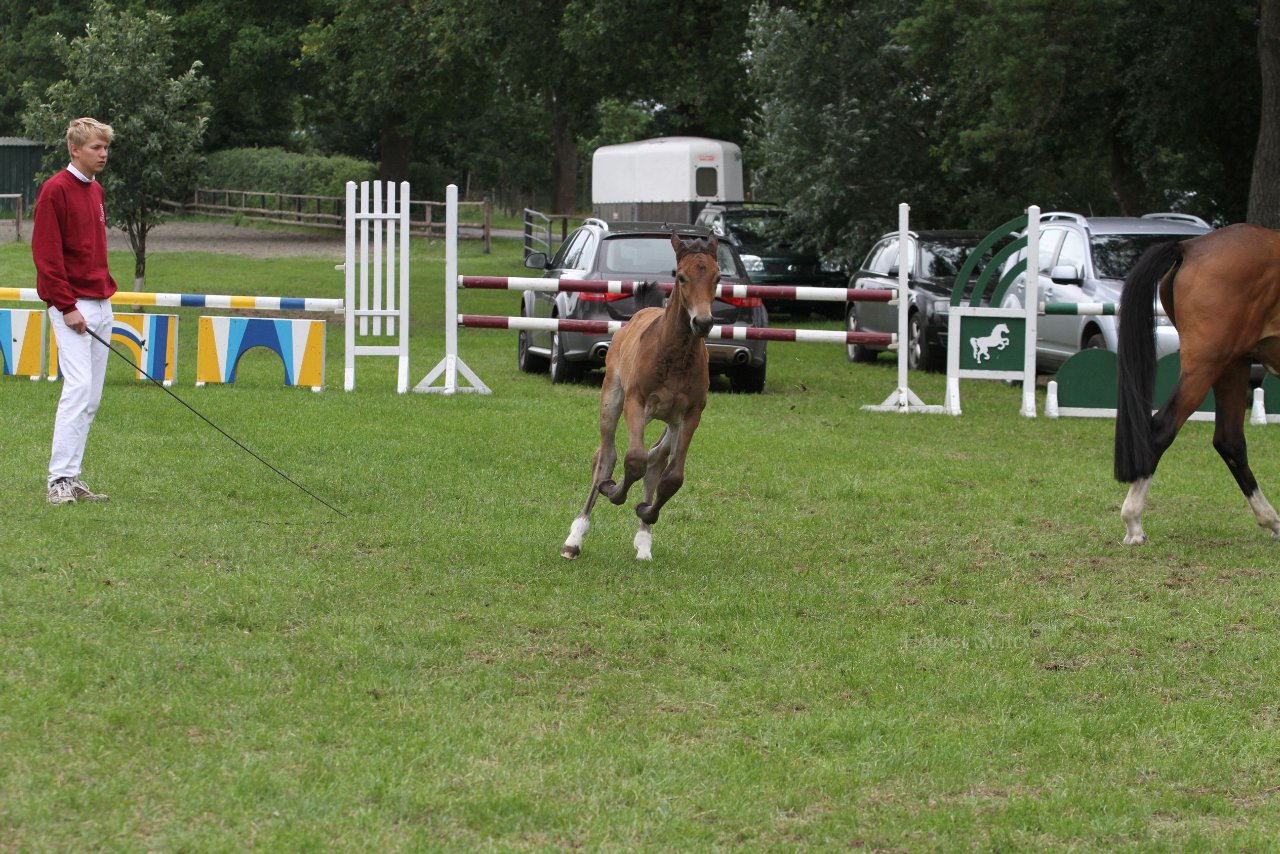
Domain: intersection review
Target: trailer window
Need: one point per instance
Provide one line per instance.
(706, 181)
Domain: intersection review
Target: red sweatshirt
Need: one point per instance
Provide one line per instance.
(69, 242)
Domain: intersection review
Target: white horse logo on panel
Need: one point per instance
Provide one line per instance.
(999, 338)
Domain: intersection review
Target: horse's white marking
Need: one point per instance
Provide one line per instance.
(1131, 511)
(999, 338)
(1264, 513)
(577, 531)
(643, 543)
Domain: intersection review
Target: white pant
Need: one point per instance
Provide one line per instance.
(83, 362)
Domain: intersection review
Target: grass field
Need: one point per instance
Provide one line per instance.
(858, 630)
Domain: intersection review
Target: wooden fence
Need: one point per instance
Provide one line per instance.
(426, 218)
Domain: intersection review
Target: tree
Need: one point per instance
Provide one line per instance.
(26, 28)
(385, 73)
(249, 51)
(1101, 106)
(117, 72)
(843, 133)
(1264, 193)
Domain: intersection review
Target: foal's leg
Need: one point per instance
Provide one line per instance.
(1232, 395)
(1188, 393)
(658, 456)
(672, 477)
(606, 457)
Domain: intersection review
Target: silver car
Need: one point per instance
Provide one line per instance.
(631, 251)
(1085, 260)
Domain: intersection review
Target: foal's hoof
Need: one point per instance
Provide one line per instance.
(570, 552)
(611, 491)
(1135, 540)
(647, 513)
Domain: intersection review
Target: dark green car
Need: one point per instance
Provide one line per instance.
(758, 232)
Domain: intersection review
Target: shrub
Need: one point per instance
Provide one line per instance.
(279, 171)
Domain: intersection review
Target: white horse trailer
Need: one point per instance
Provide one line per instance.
(668, 179)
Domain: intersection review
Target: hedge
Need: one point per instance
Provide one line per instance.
(278, 171)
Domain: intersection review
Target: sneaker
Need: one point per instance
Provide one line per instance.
(83, 493)
(62, 492)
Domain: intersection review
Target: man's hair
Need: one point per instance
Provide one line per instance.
(80, 131)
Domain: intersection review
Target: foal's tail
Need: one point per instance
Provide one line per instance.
(1135, 457)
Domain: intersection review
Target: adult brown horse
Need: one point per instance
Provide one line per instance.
(1222, 292)
(656, 368)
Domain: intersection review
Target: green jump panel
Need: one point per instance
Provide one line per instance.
(992, 343)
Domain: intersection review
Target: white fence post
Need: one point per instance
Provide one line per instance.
(1032, 304)
(451, 365)
(903, 399)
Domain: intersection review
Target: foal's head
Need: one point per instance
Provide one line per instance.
(697, 275)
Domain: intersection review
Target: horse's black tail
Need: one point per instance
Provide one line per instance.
(1135, 456)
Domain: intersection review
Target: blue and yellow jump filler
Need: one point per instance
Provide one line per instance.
(150, 339)
(21, 342)
(223, 340)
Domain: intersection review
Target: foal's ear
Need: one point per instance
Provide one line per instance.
(713, 244)
(677, 244)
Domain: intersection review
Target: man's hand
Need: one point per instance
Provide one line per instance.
(75, 321)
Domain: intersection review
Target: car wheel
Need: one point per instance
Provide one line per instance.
(528, 363)
(1093, 340)
(562, 370)
(916, 351)
(857, 352)
(747, 380)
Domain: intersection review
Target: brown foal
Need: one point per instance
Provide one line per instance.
(656, 369)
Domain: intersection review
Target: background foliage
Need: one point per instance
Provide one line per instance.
(118, 72)
(968, 109)
(284, 171)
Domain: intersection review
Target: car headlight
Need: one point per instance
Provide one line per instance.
(753, 263)
(941, 306)
(831, 267)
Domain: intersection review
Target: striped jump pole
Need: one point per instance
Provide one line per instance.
(725, 333)
(623, 287)
(1093, 309)
(197, 301)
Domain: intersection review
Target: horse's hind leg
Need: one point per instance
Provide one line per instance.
(1232, 395)
(602, 464)
(659, 454)
(1188, 394)
(671, 478)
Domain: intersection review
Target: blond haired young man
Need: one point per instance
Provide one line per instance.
(69, 245)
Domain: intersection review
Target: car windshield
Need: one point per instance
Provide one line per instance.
(944, 260)
(652, 255)
(763, 229)
(1114, 255)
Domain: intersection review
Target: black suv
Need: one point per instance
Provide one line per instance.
(757, 232)
(631, 251)
(934, 259)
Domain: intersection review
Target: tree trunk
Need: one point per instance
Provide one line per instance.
(137, 232)
(565, 149)
(1264, 191)
(394, 150)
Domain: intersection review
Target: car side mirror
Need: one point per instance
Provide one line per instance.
(893, 272)
(1066, 274)
(536, 260)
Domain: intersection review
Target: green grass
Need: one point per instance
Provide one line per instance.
(858, 629)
